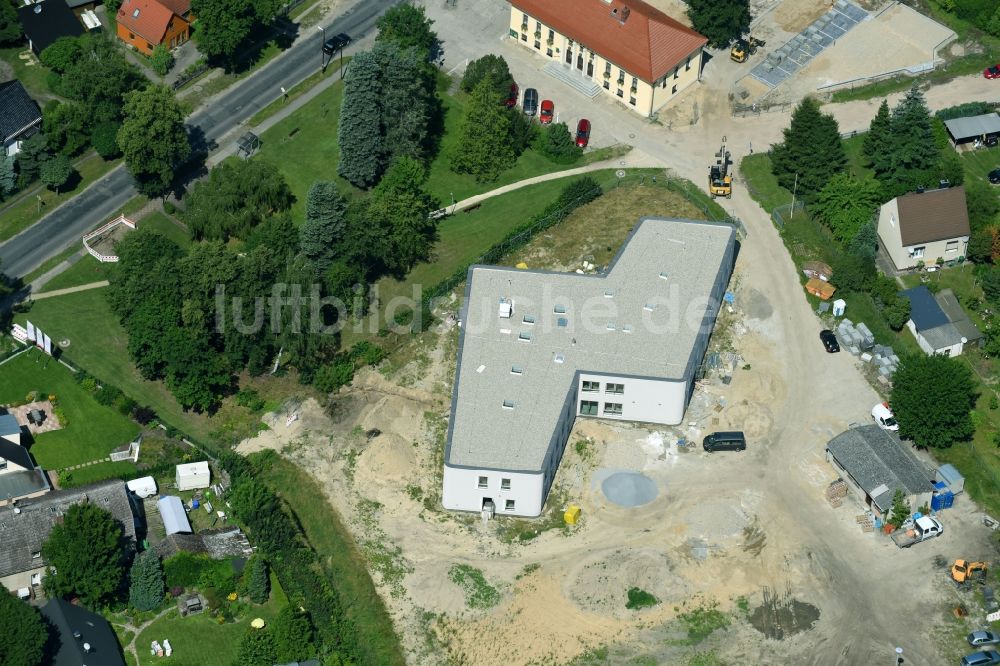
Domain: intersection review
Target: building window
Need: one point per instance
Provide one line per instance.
(591, 387)
(516, 370)
(687, 65)
(508, 404)
(548, 52)
(677, 72)
(504, 484)
(607, 86)
(588, 407)
(917, 252)
(538, 45)
(552, 34)
(621, 77)
(620, 93)
(149, 46)
(524, 21)
(952, 246)
(524, 36)
(484, 482)
(631, 100)
(509, 505)
(3, 463)
(513, 33)
(131, 36)
(612, 409)
(617, 389)
(607, 70)
(673, 91)
(635, 83)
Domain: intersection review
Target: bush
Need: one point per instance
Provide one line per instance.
(258, 580)
(108, 395)
(61, 54)
(639, 599)
(162, 61)
(557, 144)
(143, 415)
(250, 399)
(125, 405)
(853, 273)
(331, 377)
(104, 138)
(184, 570)
(168, 207)
(293, 635)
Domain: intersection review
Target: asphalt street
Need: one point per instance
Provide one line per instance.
(213, 121)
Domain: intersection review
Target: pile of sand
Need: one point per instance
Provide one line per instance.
(601, 584)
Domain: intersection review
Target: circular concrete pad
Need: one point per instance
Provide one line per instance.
(629, 489)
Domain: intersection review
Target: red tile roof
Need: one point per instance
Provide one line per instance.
(179, 7)
(146, 18)
(647, 43)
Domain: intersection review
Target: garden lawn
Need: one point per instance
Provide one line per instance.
(26, 212)
(32, 77)
(124, 469)
(199, 640)
(98, 345)
(980, 162)
(162, 224)
(347, 571)
(856, 161)
(92, 430)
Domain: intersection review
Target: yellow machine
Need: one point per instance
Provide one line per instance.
(964, 571)
(720, 180)
(744, 48)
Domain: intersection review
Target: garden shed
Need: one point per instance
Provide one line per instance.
(175, 520)
(191, 476)
(973, 128)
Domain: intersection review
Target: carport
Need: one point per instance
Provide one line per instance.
(973, 129)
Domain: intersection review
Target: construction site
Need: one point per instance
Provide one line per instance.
(649, 547)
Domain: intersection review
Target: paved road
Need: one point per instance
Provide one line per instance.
(215, 119)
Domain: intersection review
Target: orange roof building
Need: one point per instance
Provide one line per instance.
(145, 24)
(630, 50)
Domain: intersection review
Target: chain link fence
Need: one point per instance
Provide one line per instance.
(783, 214)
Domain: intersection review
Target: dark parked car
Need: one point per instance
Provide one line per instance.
(994, 176)
(511, 100)
(530, 103)
(548, 112)
(978, 638)
(981, 659)
(583, 133)
(725, 441)
(336, 43)
(829, 341)
(992, 72)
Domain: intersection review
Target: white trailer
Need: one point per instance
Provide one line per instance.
(191, 476)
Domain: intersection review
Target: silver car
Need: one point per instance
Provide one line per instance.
(977, 638)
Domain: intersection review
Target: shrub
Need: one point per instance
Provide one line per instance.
(162, 61)
(143, 415)
(639, 599)
(250, 399)
(557, 144)
(108, 395)
(258, 580)
(293, 635)
(169, 208)
(145, 590)
(104, 138)
(184, 570)
(331, 377)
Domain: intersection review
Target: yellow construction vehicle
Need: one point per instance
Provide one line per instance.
(744, 48)
(963, 571)
(720, 181)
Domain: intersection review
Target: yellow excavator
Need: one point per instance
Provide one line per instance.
(963, 571)
(720, 180)
(744, 48)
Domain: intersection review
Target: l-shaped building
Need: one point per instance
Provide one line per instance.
(538, 349)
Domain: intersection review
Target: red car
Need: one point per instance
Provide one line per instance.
(583, 133)
(548, 112)
(992, 72)
(511, 100)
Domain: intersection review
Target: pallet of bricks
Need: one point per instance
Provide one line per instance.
(866, 521)
(836, 492)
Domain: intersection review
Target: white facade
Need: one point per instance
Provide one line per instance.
(191, 476)
(513, 493)
(632, 398)
(948, 350)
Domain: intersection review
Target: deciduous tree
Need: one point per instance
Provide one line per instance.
(360, 134)
(153, 138)
(60, 55)
(852, 272)
(145, 591)
(846, 204)
(325, 225)
(484, 147)
(489, 66)
(8, 177)
(399, 208)
(56, 171)
(10, 26)
(67, 126)
(85, 555)
(407, 25)
(237, 196)
(104, 138)
(932, 399)
(223, 25)
(24, 633)
(721, 21)
(162, 60)
(812, 152)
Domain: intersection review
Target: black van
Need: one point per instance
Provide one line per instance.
(725, 441)
(530, 103)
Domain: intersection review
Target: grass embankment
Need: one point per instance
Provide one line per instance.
(347, 571)
(90, 431)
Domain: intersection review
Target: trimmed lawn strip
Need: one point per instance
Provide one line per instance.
(32, 77)
(99, 346)
(99, 472)
(199, 640)
(162, 224)
(963, 66)
(25, 213)
(347, 571)
(92, 430)
(49, 264)
(296, 91)
(84, 271)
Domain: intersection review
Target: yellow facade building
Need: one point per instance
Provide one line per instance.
(634, 52)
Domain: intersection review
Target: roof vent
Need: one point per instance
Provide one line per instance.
(559, 309)
(649, 307)
(920, 189)
(623, 14)
(663, 275)
(506, 308)
(944, 183)
(626, 329)
(529, 319)
(611, 325)
(562, 322)
(77, 635)
(524, 336)
(516, 370)
(480, 369)
(559, 358)
(508, 404)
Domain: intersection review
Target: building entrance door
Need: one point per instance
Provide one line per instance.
(590, 68)
(579, 61)
(569, 57)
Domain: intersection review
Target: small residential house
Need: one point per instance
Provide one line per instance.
(933, 328)
(20, 117)
(20, 478)
(45, 21)
(627, 50)
(145, 24)
(25, 529)
(921, 227)
(876, 464)
(175, 520)
(191, 476)
(85, 638)
(965, 132)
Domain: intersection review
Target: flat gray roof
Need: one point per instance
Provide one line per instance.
(640, 318)
(964, 128)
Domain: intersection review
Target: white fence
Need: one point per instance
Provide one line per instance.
(105, 258)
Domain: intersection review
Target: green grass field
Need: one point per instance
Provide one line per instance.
(346, 567)
(85, 271)
(92, 431)
(980, 162)
(98, 345)
(198, 640)
(26, 211)
(856, 161)
(32, 77)
(162, 224)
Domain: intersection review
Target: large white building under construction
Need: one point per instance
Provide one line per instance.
(538, 349)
